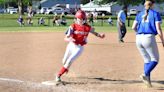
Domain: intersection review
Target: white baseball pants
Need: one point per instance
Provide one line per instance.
(147, 46)
(72, 52)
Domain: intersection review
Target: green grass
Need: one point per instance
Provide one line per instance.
(55, 29)
(8, 23)
(10, 20)
(31, 29)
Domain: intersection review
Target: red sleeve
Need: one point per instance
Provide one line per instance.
(88, 27)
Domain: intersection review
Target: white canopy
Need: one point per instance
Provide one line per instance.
(91, 6)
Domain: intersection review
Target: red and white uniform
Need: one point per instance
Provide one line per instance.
(76, 35)
(79, 33)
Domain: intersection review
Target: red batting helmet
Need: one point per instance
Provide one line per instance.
(80, 14)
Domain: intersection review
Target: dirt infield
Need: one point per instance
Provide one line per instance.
(29, 58)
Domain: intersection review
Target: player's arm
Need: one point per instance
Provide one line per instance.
(158, 22)
(136, 23)
(68, 37)
(120, 22)
(119, 19)
(96, 33)
(159, 30)
(134, 26)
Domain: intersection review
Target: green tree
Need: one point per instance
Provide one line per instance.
(1, 1)
(6, 3)
(20, 7)
(84, 1)
(21, 4)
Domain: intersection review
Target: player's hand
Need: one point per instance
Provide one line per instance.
(121, 24)
(102, 36)
(71, 39)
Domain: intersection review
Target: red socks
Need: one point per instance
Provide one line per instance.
(62, 71)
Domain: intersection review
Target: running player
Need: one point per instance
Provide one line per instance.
(76, 35)
(147, 26)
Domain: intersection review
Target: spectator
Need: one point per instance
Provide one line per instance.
(95, 15)
(91, 19)
(63, 19)
(41, 21)
(110, 21)
(55, 20)
(29, 18)
(20, 21)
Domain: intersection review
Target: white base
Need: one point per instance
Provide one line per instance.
(49, 82)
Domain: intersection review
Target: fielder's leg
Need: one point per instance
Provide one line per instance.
(119, 32)
(123, 31)
(152, 49)
(145, 77)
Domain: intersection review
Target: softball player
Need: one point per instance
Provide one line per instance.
(76, 35)
(147, 26)
(121, 20)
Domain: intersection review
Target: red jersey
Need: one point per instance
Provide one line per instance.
(80, 33)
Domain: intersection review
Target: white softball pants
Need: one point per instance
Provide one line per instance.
(72, 52)
(147, 46)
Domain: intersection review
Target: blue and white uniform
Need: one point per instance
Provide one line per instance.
(122, 16)
(121, 28)
(145, 39)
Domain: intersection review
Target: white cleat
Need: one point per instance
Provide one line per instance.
(58, 79)
(56, 82)
(146, 80)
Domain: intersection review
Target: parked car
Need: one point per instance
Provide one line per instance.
(2, 10)
(43, 10)
(49, 11)
(13, 11)
(9, 8)
(133, 12)
(59, 10)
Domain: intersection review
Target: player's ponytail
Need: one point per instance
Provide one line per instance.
(146, 14)
(148, 5)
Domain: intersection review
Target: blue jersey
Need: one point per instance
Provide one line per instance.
(148, 26)
(122, 16)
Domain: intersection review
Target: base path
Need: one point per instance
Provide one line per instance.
(29, 58)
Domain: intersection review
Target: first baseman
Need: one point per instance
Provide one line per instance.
(76, 35)
(147, 25)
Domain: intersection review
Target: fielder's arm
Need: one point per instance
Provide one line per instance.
(119, 19)
(120, 22)
(134, 27)
(96, 33)
(159, 30)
